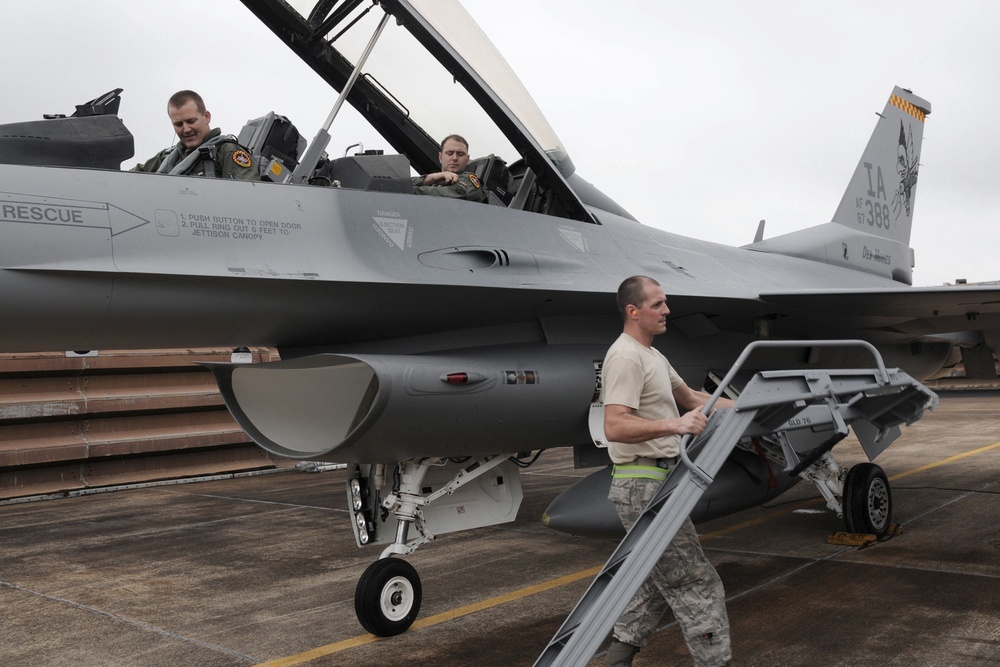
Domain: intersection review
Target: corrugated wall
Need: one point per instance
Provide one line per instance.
(71, 422)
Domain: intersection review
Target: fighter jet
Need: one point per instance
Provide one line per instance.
(437, 346)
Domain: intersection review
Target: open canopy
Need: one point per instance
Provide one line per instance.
(432, 72)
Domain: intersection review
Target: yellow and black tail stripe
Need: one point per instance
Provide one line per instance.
(909, 108)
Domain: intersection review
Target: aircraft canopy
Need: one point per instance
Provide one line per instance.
(431, 73)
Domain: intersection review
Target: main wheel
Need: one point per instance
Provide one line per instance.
(867, 500)
(387, 598)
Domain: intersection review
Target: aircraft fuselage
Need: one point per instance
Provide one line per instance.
(100, 259)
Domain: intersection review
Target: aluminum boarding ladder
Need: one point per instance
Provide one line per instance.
(772, 402)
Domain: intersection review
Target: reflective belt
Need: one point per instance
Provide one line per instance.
(645, 469)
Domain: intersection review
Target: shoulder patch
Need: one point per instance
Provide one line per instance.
(475, 180)
(242, 158)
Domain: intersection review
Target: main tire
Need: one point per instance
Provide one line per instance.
(867, 500)
(387, 598)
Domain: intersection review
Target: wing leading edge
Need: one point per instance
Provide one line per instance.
(903, 314)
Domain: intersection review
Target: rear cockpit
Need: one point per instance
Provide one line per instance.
(277, 147)
(417, 71)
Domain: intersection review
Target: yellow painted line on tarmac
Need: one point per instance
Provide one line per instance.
(329, 649)
(312, 654)
(817, 501)
(950, 459)
(508, 597)
(337, 647)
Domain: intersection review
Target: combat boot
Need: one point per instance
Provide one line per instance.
(620, 654)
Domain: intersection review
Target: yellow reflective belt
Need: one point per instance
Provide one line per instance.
(633, 471)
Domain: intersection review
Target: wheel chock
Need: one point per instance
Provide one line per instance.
(862, 540)
(894, 530)
(846, 539)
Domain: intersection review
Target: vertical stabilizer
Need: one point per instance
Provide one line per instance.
(880, 197)
(870, 231)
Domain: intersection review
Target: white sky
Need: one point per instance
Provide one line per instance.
(698, 118)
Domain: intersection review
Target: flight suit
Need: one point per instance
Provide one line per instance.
(468, 187)
(231, 160)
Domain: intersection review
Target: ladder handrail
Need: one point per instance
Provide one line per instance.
(758, 344)
(738, 366)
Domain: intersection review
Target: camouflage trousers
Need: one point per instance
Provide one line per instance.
(682, 579)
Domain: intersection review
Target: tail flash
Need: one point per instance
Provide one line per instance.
(879, 199)
(870, 231)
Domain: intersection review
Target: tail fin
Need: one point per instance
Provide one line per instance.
(879, 199)
(870, 231)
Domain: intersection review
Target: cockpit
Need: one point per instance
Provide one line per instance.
(416, 71)
(277, 146)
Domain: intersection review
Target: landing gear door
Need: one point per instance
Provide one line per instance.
(873, 439)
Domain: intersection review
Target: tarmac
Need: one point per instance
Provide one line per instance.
(261, 570)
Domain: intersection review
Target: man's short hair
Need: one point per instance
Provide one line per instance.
(460, 139)
(182, 97)
(631, 292)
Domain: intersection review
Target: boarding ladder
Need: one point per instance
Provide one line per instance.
(772, 403)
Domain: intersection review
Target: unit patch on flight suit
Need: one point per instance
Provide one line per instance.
(242, 159)
(475, 180)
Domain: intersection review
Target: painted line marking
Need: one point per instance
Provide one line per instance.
(329, 649)
(337, 647)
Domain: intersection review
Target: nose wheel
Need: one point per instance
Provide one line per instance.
(387, 598)
(867, 500)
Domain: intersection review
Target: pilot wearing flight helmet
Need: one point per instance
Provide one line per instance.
(453, 180)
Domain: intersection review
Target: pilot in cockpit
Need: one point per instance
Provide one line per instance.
(199, 145)
(453, 180)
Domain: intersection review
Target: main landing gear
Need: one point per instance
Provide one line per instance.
(861, 496)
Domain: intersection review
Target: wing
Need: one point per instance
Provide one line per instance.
(899, 314)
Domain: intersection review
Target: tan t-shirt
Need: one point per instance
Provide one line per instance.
(642, 379)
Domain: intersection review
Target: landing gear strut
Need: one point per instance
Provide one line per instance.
(861, 495)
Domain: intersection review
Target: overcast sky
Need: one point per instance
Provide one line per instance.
(699, 118)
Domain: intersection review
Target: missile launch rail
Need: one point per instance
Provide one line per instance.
(773, 403)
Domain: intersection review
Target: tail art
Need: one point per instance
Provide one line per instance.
(879, 199)
(870, 231)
